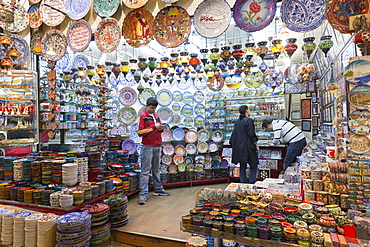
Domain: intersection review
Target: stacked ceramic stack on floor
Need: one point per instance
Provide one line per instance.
(100, 230)
(83, 168)
(73, 229)
(43, 224)
(30, 228)
(70, 174)
(7, 229)
(18, 228)
(118, 210)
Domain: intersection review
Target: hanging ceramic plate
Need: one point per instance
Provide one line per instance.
(209, 96)
(359, 144)
(253, 80)
(166, 135)
(213, 146)
(165, 114)
(202, 147)
(212, 18)
(178, 159)
(191, 136)
(166, 159)
(187, 97)
(77, 9)
(200, 159)
(358, 97)
(145, 94)
(204, 135)
(127, 115)
(81, 61)
(199, 121)
(188, 159)
(303, 15)
(21, 18)
(188, 122)
(184, 84)
(115, 105)
(200, 84)
(215, 83)
(359, 122)
(127, 96)
(187, 110)
(198, 97)
(34, 14)
(129, 145)
(199, 109)
(191, 149)
(172, 26)
(233, 82)
(137, 27)
(177, 96)
(54, 45)
(64, 64)
(176, 119)
(106, 8)
(217, 136)
(252, 15)
(169, 1)
(338, 12)
(164, 97)
(356, 72)
(178, 134)
(36, 43)
(108, 35)
(79, 35)
(52, 12)
(22, 47)
(172, 168)
(134, 4)
(180, 149)
(168, 149)
(176, 107)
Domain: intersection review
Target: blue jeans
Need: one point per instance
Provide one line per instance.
(252, 174)
(150, 157)
(294, 149)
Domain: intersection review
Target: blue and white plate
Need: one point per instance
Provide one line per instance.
(115, 105)
(176, 107)
(22, 46)
(77, 9)
(187, 97)
(198, 97)
(64, 64)
(187, 111)
(164, 97)
(188, 122)
(199, 109)
(199, 121)
(178, 134)
(81, 61)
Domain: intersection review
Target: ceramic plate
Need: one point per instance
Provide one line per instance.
(184, 84)
(127, 115)
(359, 144)
(52, 16)
(164, 97)
(176, 119)
(303, 15)
(115, 105)
(359, 122)
(34, 14)
(176, 107)
(165, 114)
(191, 136)
(144, 95)
(198, 97)
(200, 83)
(181, 167)
(202, 147)
(21, 18)
(358, 96)
(177, 96)
(188, 122)
(338, 12)
(200, 159)
(137, 27)
(233, 82)
(178, 159)
(355, 72)
(108, 35)
(127, 96)
(213, 146)
(212, 18)
(80, 61)
(178, 134)
(204, 135)
(22, 47)
(77, 9)
(199, 121)
(187, 110)
(180, 149)
(172, 168)
(79, 35)
(169, 1)
(191, 149)
(64, 64)
(217, 136)
(209, 96)
(215, 83)
(106, 8)
(134, 4)
(187, 97)
(166, 159)
(165, 22)
(129, 145)
(168, 149)
(199, 109)
(166, 135)
(252, 15)
(36, 43)
(54, 45)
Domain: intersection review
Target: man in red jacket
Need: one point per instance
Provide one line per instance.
(150, 129)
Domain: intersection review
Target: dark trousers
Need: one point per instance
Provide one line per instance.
(294, 149)
(252, 174)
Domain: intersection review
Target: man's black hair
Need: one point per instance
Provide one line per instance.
(152, 101)
(266, 123)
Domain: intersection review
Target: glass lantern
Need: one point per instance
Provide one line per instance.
(325, 44)
(214, 56)
(184, 58)
(225, 53)
(237, 53)
(152, 64)
(204, 56)
(133, 65)
(309, 45)
(291, 46)
(174, 59)
(277, 48)
(262, 49)
(124, 68)
(142, 63)
(194, 60)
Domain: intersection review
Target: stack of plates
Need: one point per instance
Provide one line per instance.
(83, 167)
(7, 229)
(56, 168)
(30, 228)
(118, 210)
(54, 199)
(74, 229)
(70, 174)
(17, 170)
(43, 225)
(65, 201)
(18, 228)
(46, 171)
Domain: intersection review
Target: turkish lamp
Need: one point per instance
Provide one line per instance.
(222, 66)
(67, 75)
(210, 74)
(214, 56)
(174, 59)
(133, 65)
(204, 56)
(146, 76)
(142, 63)
(263, 67)
(237, 53)
(262, 49)
(277, 48)
(249, 51)
(115, 70)
(124, 68)
(152, 64)
(13, 53)
(362, 41)
(187, 70)
(194, 60)
(184, 58)
(81, 72)
(5, 41)
(309, 46)
(137, 76)
(332, 86)
(6, 62)
(325, 44)
(179, 69)
(291, 46)
(225, 53)
(193, 75)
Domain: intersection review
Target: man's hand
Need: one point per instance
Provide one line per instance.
(270, 143)
(159, 126)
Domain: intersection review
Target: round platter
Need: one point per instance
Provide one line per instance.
(166, 135)
(77, 10)
(168, 149)
(127, 115)
(108, 35)
(213, 146)
(191, 149)
(188, 122)
(54, 45)
(251, 15)
(217, 136)
(167, 159)
(129, 145)
(137, 27)
(172, 168)
(165, 21)
(204, 135)
(80, 61)
(180, 149)
(34, 13)
(165, 114)
(164, 97)
(106, 8)
(356, 72)
(52, 16)
(176, 119)
(145, 94)
(358, 97)
(199, 109)
(359, 122)
(212, 18)
(187, 97)
(176, 107)
(177, 96)
(191, 136)
(178, 134)
(199, 121)
(303, 15)
(21, 18)
(202, 147)
(359, 144)
(178, 159)
(215, 83)
(187, 111)
(22, 47)
(79, 35)
(64, 64)
(198, 97)
(134, 4)
(127, 96)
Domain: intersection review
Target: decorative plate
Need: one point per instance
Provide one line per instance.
(215, 83)
(34, 14)
(169, 1)
(176, 119)
(199, 121)
(252, 15)
(127, 115)
(52, 16)
(233, 82)
(178, 159)
(142, 109)
(191, 148)
(80, 61)
(212, 18)
(167, 159)
(200, 84)
(355, 72)
(108, 35)
(358, 96)
(338, 12)
(187, 110)
(164, 97)
(36, 43)
(217, 158)
(172, 168)
(202, 147)
(200, 159)
(166, 135)
(127, 96)
(213, 146)
(134, 4)
(199, 109)
(359, 144)
(129, 145)
(188, 122)
(145, 94)
(106, 8)
(178, 134)
(191, 136)
(77, 9)
(79, 35)
(209, 96)
(187, 97)
(54, 45)
(198, 97)
(115, 105)
(22, 47)
(184, 84)
(177, 96)
(21, 19)
(303, 15)
(164, 23)
(359, 122)
(217, 136)
(138, 26)
(180, 149)
(64, 64)
(176, 107)
(188, 159)
(204, 135)
(165, 114)
(168, 149)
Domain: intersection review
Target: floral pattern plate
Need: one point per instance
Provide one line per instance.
(81, 61)
(172, 168)
(168, 149)
(54, 45)
(191, 136)
(166, 135)
(166, 159)
(145, 94)
(106, 8)
(52, 16)
(358, 97)
(178, 159)
(165, 21)
(254, 15)
(137, 27)
(165, 114)
(303, 15)
(22, 47)
(178, 134)
(127, 96)
(108, 35)
(64, 64)
(34, 14)
(134, 4)
(164, 97)
(212, 18)
(127, 115)
(191, 149)
(359, 122)
(177, 96)
(36, 43)
(77, 9)
(213, 146)
(187, 97)
(115, 105)
(21, 19)
(79, 35)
